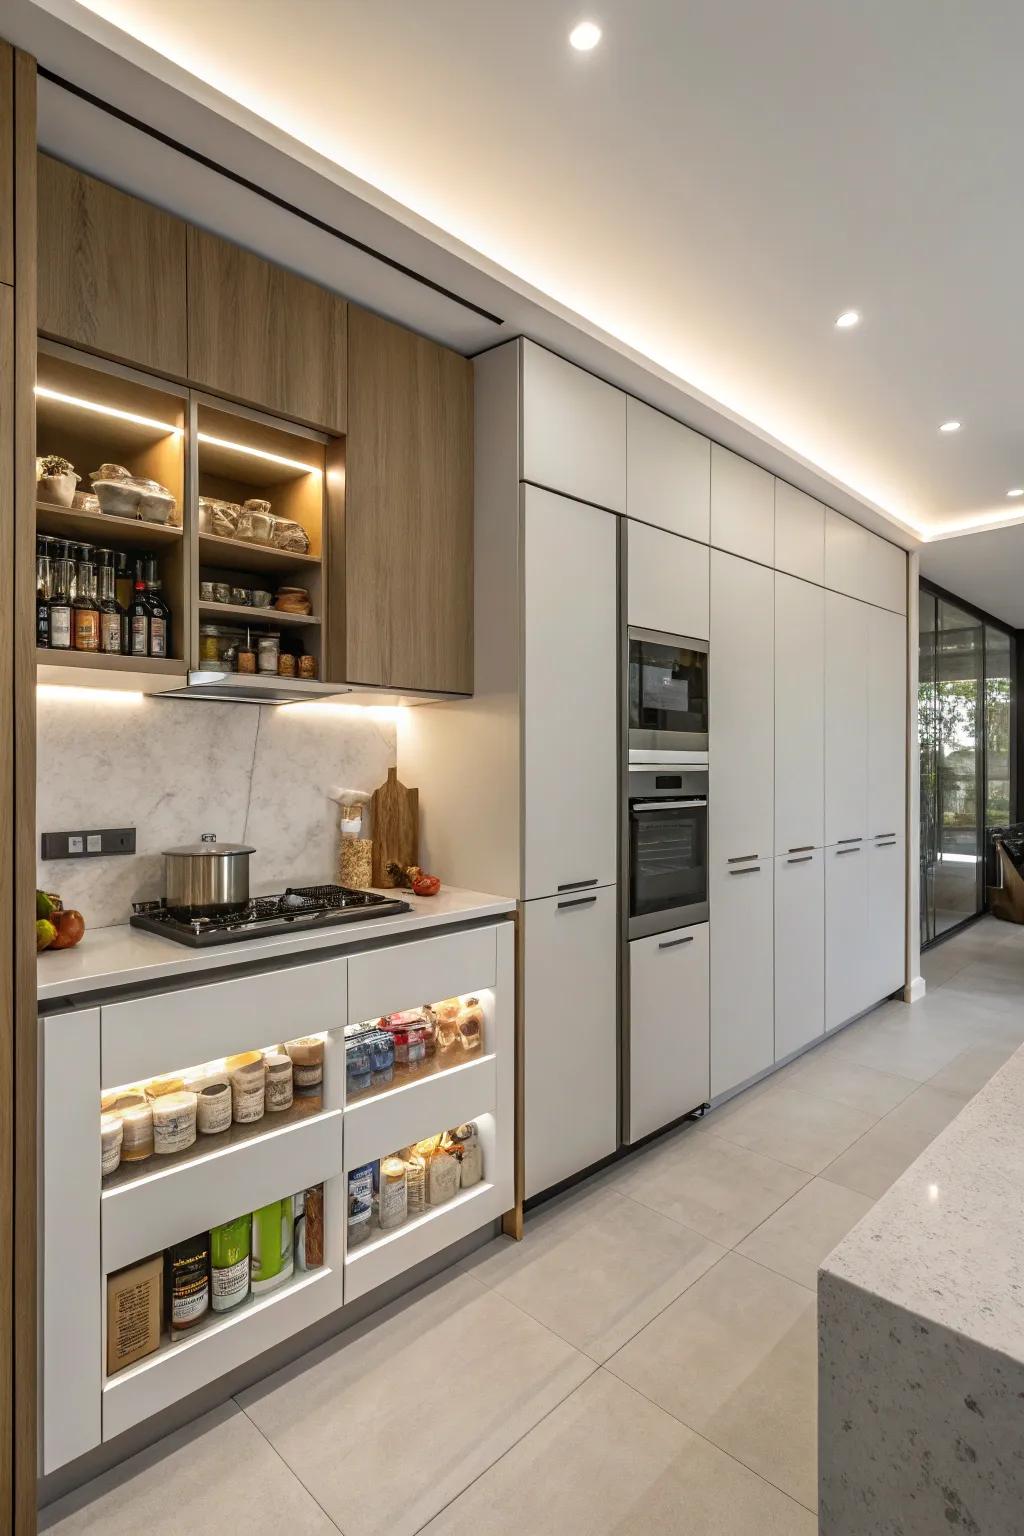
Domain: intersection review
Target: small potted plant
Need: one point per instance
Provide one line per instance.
(56, 480)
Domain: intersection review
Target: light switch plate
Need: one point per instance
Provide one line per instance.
(87, 845)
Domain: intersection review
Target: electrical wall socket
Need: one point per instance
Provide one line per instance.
(88, 845)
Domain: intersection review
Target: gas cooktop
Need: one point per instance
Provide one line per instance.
(311, 906)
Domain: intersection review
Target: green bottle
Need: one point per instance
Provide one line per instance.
(230, 1249)
(272, 1261)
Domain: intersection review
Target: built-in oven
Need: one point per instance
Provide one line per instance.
(667, 698)
(666, 848)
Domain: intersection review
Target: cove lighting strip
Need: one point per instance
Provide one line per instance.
(106, 410)
(258, 453)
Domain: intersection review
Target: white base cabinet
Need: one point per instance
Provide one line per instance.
(886, 907)
(799, 950)
(847, 987)
(669, 1028)
(742, 964)
(571, 1045)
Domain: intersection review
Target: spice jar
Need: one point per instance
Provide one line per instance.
(277, 1069)
(286, 664)
(213, 1107)
(222, 592)
(174, 1122)
(111, 1136)
(248, 1094)
(393, 1198)
(268, 649)
(307, 666)
(246, 656)
(307, 1057)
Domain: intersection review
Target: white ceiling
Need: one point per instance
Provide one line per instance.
(985, 568)
(711, 186)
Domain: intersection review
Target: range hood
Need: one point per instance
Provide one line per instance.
(252, 688)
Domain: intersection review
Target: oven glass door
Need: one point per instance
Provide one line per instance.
(668, 692)
(668, 863)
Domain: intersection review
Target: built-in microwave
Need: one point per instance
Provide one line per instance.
(666, 848)
(667, 698)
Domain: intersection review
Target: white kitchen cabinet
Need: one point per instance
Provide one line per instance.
(741, 715)
(571, 1035)
(668, 473)
(847, 983)
(799, 533)
(669, 1028)
(887, 723)
(863, 565)
(799, 950)
(846, 718)
(570, 719)
(887, 884)
(799, 714)
(573, 430)
(742, 963)
(742, 506)
(668, 582)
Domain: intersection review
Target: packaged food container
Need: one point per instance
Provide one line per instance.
(289, 535)
(222, 592)
(358, 1067)
(111, 1136)
(206, 591)
(277, 1068)
(307, 1057)
(213, 1107)
(174, 1122)
(393, 1200)
(241, 596)
(381, 1047)
(360, 1203)
(122, 494)
(285, 664)
(255, 522)
(248, 1093)
(268, 649)
(261, 598)
(307, 666)
(85, 501)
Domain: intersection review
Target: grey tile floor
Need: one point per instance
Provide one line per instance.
(643, 1362)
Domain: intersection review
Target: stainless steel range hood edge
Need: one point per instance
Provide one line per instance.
(243, 688)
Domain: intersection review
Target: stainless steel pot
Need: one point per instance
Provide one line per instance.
(206, 877)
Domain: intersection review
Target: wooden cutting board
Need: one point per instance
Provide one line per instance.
(394, 824)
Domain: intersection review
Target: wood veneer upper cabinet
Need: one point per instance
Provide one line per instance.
(111, 271)
(6, 163)
(408, 525)
(264, 336)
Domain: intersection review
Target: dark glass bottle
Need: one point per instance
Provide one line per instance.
(85, 612)
(44, 587)
(124, 588)
(138, 616)
(112, 617)
(159, 613)
(60, 598)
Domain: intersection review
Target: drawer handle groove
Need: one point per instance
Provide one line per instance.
(581, 901)
(576, 885)
(803, 848)
(849, 839)
(752, 869)
(742, 858)
(674, 943)
(885, 834)
(840, 851)
(806, 859)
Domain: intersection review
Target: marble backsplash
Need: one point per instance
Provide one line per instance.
(173, 770)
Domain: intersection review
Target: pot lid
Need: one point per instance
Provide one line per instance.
(209, 846)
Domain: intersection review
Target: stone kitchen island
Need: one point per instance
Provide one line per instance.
(921, 1339)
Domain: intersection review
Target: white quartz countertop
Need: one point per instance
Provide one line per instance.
(123, 956)
(946, 1242)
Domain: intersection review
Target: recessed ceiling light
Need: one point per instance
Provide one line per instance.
(585, 35)
(1018, 490)
(847, 318)
(950, 426)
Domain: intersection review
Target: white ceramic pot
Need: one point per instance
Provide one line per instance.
(58, 490)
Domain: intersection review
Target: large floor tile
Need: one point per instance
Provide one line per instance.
(387, 1424)
(609, 1463)
(804, 1231)
(914, 1042)
(929, 1109)
(218, 1475)
(971, 1070)
(844, 1081)
(631, 1260)
(709, 1184)
(736, 1359)
(880, 1156)
(802, 1130)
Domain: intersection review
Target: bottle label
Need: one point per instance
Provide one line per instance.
(157, 637)
(43, 623)
(60, 628)
(110, 634)
(140, 635)
(230, 1284)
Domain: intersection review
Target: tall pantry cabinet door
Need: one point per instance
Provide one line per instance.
(741, 717)
(887, 886)
(571, 1035)
(112, 272)
(667, 582)
(847, 979)
(264, 336)
(669, 1028)
(742, 964)
(401, 570)
(846, 719)
(742, 506)
(799, 715)
(887, 723)
(570, 725)
(573, 430)
(799, 533)
(668, 473)
(799, 950)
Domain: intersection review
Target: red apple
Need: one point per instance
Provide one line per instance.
(70, 927)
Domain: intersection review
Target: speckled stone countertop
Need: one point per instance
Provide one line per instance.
(946, 1242)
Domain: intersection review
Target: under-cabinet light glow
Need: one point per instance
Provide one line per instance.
(301, 708)
(1018, 490)
(83, 694)
(106, 410)
(258, 453)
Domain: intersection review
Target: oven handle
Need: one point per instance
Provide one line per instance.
(666, 805)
